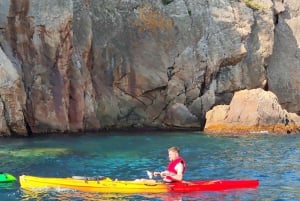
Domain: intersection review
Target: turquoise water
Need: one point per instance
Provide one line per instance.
(274, 160)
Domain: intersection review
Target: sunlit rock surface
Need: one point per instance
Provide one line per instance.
(252, 111)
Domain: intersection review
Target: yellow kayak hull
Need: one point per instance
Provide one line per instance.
(104, 185)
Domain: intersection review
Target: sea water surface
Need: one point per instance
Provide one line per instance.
(274, 160)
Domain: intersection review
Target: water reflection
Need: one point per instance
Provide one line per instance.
(9, 185)
(66, 194)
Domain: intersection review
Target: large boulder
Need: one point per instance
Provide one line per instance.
(252, 111)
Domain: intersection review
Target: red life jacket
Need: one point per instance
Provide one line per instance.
(172, 165)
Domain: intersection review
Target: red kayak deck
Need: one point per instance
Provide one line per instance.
(211, 185)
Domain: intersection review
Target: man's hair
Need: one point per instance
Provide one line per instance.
(175, 149)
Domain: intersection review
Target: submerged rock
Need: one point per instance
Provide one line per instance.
(252, 111)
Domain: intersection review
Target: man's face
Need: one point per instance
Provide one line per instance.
(173, 155)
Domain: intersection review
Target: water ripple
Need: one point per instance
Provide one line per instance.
(274, 160)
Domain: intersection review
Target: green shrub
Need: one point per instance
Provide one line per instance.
(254, 5)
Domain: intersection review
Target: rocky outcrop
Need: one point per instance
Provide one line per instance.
(252, 111)
(80, 65)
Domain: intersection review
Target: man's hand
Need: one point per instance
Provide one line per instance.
(156, 174)
(162, 174)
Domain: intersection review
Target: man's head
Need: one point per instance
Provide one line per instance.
(173, 153)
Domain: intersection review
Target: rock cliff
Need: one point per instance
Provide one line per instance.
(80, 65)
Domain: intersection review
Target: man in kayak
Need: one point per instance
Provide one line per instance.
(175, 168)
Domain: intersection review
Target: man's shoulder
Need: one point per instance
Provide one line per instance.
(179, 165)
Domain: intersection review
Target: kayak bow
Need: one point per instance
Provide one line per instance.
(6, 178)
(107, 185)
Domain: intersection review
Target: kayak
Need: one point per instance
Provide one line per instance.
(6, 178)
(107, 185)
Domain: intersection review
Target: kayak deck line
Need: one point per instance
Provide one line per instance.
(103, 186)
(107, 185)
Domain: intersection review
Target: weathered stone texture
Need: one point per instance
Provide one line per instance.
(283, 64)
(84, 65)
(12, 99)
